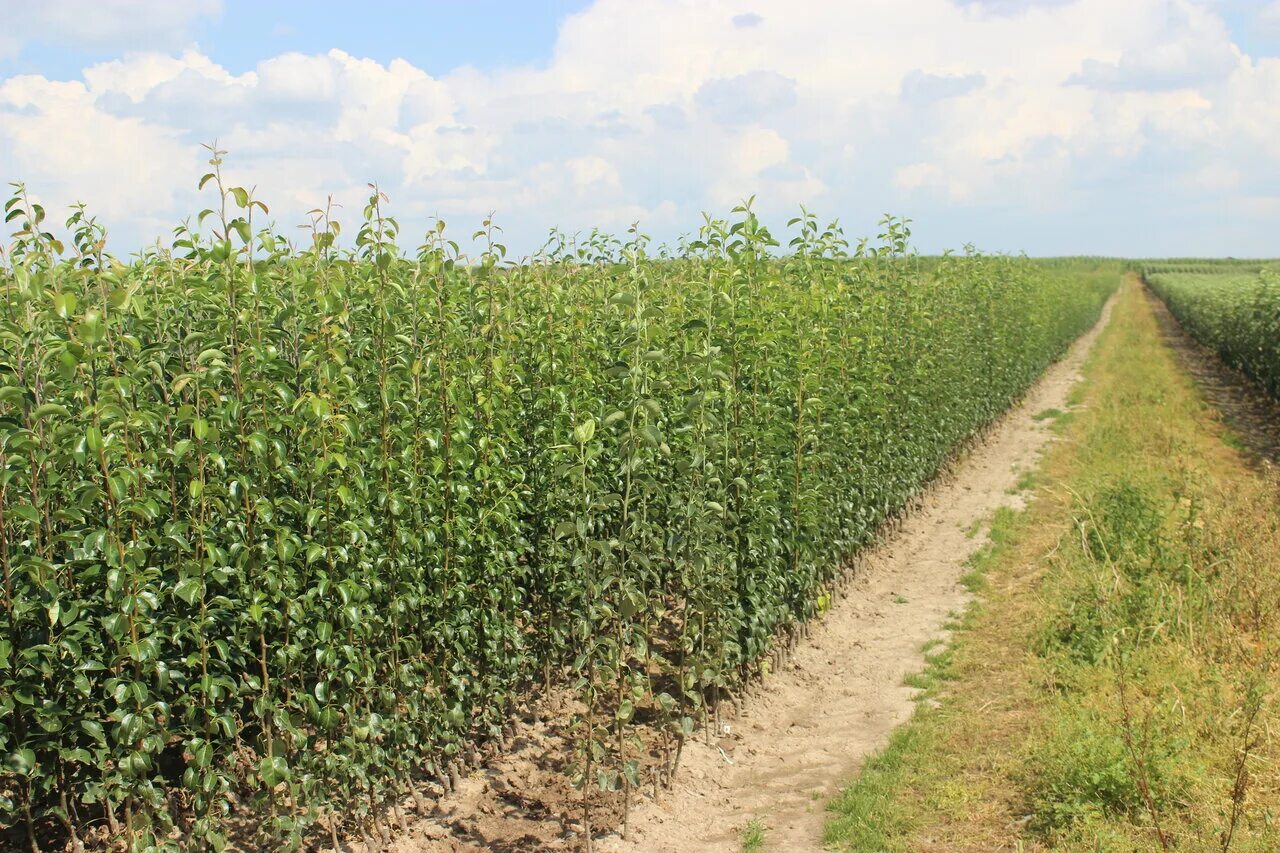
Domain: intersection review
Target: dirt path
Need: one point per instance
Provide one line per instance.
(810, 726)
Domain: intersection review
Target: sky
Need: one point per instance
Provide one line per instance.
(1137, 128)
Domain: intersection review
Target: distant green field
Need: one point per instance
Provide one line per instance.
(1233, 307)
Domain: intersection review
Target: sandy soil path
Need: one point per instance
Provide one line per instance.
(811, 725)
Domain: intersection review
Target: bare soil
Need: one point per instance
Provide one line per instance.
(808, 727)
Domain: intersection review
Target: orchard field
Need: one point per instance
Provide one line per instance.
(289, 532)
(678, 494)
(1233, 308)
(291, 528)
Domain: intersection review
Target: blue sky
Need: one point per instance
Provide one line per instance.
(435, 36)
(1140, 128)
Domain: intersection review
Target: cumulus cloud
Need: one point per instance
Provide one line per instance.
(1032, 112)
(60, 140)
(1189, 45)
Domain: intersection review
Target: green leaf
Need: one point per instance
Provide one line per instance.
(26, 512)
(274, 771)
(23, 761)
(189, 589)
(64, 304)
(201, 753)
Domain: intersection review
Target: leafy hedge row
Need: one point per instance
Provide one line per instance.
(1235, 313)
(294, 527)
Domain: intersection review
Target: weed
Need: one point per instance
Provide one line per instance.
(753, 837)
(1081, 770)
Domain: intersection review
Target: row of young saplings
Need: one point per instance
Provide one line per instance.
(1234, 309)
(283, 530)
(663, 748)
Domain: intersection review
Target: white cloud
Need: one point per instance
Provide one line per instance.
(926, 107)
(137, 74)
(920, 87)
(57, 138)
(1191, 46)
(916, 175)
(747, 98)
(593, 172)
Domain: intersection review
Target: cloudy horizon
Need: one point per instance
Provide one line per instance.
(1148, 128)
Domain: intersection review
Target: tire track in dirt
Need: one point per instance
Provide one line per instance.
(803, 734)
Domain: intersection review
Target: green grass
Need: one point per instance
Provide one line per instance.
(867, 814)
(753, 837)
(1075, 396)
(1120, 657)
(1234, 440)
(1026, 482)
